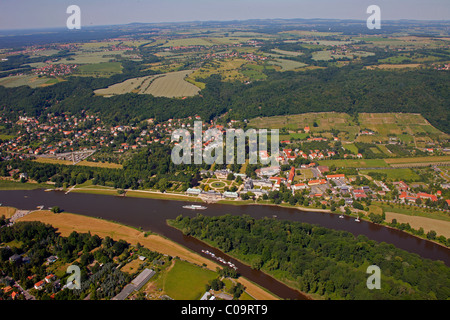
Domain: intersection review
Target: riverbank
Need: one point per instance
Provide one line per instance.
(433, 222)
(66, 223)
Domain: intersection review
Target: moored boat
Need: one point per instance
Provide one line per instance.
(194, 207)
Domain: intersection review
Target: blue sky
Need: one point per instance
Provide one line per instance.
(21, 14)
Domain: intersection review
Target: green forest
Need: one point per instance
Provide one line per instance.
(323, 262)
(348, 89)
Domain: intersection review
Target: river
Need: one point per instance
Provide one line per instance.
(151, 214)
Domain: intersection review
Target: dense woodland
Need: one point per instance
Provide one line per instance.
(321, 261)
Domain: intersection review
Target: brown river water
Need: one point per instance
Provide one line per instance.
(151, 214)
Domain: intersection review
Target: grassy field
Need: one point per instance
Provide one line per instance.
(127, 86)
(288, 53)
(228, 69)
(355, 163)
(103, 69)
(325, 120)
(169, 85)
(8, 212)
(396, 174)
(172, 85)
(32, 81)
(351, 147)
(81, 163)
(288, 65)
(13, 185)
(430, 159)
(185, 281)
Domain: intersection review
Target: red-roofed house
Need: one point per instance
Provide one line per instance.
(423, 195)
(39, 285)
(291, 175)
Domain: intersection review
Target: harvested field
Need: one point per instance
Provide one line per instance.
(441, 227)
(171, 85)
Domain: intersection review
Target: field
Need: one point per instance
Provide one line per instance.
(416, 222)
(8, 212)
(32, 81)
(396, 174)
(288, 53)
(287, 65)
(228, 69)
(355, 163)
(325, 121)
(170, 85)
(407, 127)
(327, 55)
(351, 147)
(185, 281)
(418, 160)
(13, 185)
(99, 69)
(82, 163)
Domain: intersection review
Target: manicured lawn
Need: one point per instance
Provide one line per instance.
(186, 281)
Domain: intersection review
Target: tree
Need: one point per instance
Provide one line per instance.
(55, 209)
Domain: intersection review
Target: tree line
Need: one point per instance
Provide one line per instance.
(321, 261)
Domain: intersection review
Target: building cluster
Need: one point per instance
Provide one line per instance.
(55, 70)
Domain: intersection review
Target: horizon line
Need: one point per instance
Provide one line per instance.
(221, 21)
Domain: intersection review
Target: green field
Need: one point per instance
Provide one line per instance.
(186, 281)
(288, 65)
(351, 147)
(355, 163)
(32, 81)
(12, 185)
(396, 174)
(100, 69)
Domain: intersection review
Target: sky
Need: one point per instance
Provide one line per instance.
(35, 14)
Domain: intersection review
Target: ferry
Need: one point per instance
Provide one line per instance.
(194, 207)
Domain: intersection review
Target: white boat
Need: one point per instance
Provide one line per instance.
(357, 220)
(194, 207)
(341, 216)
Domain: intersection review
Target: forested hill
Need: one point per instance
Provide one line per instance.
(348, 89)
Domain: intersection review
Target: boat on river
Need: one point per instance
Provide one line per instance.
(194, 207)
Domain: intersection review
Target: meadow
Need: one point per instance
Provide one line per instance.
(186, 281)
(32, 81)
(406, 175)
(170, 85)
(103, 69)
